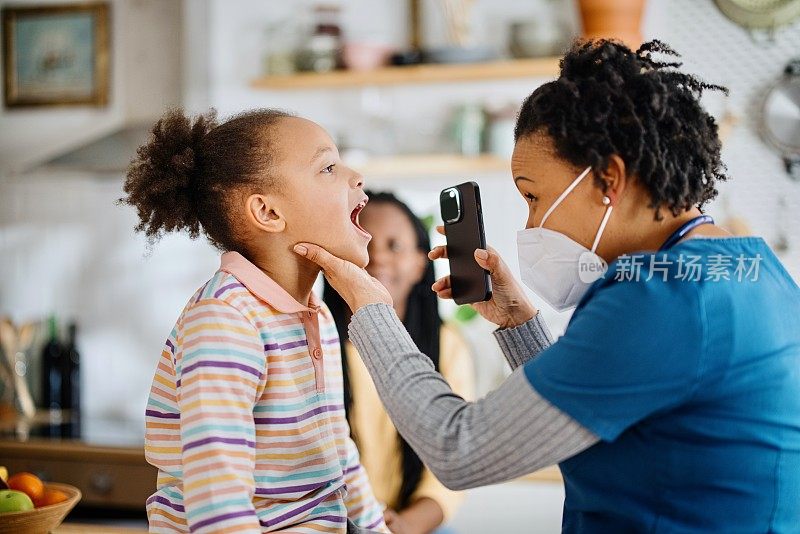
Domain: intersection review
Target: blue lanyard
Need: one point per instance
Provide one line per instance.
(687, 227)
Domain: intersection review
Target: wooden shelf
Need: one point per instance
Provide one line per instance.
(421, 165)
(414, 74)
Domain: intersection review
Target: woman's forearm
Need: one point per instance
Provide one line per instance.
(524, 342)
(511, 432)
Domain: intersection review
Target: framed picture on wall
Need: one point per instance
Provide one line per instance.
(56, 55)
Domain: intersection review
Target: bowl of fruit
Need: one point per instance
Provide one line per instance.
(30, 506)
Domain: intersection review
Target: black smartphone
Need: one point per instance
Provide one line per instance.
(463, 227)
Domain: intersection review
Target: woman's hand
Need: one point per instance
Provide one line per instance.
(422, 517)
(353, 283)
(396, 523)
(509, 306)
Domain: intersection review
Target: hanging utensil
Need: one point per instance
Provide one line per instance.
(6, 371)
(11, 347)
(779, 118)
(27, 336)
(760, 15)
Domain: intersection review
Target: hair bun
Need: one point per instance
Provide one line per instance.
(612, 101)
(162, 180)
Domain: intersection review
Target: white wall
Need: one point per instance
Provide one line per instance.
(145, 77)
(71, 251)
(721, 52)
(68, 249)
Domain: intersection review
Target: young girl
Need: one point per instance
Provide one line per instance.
(245, 420)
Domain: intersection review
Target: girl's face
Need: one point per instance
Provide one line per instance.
(317, 198)
(394, 258)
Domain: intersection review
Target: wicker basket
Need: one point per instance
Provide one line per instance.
(41, 520)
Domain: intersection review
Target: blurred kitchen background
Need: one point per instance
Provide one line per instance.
(418, 94)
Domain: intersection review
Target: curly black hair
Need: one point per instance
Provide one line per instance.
(191, 170)
(611, 100)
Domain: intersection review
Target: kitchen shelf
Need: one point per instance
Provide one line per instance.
(432, 164)
(413, 74)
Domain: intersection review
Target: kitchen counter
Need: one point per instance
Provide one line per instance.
(108, 477)
(84, 528)
(104, 459)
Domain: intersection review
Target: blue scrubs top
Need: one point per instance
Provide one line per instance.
(692, 382)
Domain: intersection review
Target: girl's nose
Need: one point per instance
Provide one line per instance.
(356, 181)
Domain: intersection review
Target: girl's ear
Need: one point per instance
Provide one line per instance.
(264, 214)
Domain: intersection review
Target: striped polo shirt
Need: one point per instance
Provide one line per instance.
(245, 420)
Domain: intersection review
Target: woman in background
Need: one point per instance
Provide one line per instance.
(416, 501)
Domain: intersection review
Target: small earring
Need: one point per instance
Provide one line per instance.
(606, 201)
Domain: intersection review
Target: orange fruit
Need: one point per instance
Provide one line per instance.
(27, 483)
(50, 496)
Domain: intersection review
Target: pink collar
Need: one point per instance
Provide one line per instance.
(264, 287)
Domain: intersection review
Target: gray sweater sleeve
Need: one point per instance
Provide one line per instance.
(525, 341)
(511, 432)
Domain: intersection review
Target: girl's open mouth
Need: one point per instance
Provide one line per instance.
(354, 218)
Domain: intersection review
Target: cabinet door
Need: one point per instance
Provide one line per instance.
(107, 485)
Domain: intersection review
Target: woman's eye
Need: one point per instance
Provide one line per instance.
(329, 169)
(397, 246)
(530, 198)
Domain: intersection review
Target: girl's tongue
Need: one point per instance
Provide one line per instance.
(354, 218)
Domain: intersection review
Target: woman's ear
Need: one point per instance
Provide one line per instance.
(264, 214)
(616, 179)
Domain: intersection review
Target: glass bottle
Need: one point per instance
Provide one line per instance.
(52, 368)
(70, 383)
(322, 52)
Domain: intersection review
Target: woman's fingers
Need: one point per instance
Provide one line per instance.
(442, 288)
(441, 283)
(390, 516)
(490, 260)
(512, 306)
(446, 294)
(438, 253)
(394, 522)
(329, 263)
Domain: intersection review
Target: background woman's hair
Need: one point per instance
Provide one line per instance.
(192, 170)
(610, 100)
(423, 323)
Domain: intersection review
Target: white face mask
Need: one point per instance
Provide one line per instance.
(554, 266)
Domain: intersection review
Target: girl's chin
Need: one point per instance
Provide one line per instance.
(356, 254)
(362, 260)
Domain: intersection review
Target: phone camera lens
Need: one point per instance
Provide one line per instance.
(451, 206)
